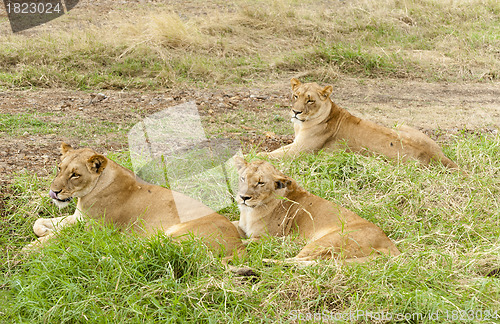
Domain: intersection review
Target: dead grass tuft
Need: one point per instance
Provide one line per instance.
(164, 29)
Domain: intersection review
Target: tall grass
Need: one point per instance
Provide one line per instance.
(446, 225)
(253, 41)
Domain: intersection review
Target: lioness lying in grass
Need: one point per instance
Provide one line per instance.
(272, 203)
(321, 124)
(106, 189)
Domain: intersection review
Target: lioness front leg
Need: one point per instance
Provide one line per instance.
(37, 243)
(240, 231)
(47, 226)
(290, 150)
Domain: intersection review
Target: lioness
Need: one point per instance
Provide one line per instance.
(321, 124)
(106, 189)
(272, 203)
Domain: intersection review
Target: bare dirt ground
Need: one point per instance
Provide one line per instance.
(440, 110)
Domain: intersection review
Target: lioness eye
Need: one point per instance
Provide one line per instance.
(310, 101)
(295, 96)
(260, 183)
(242, 179)
(75, 176)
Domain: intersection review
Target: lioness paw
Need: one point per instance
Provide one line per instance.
(31, 247)
(36, 244)
(43, 227)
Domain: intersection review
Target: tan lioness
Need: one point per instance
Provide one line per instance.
(274, 204)
(321, 124)
(107, 190)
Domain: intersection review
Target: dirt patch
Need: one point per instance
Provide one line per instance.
(438, 109)
(426, 105)
(39, 152)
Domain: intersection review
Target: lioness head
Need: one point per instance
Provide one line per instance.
(308, 99)
(259, 183)
(77, 174)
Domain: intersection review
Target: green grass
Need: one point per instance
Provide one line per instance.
(347, 59)
(446, 225)
(18, 124)
(35, 123)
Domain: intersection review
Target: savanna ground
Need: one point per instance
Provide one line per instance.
(433, 65)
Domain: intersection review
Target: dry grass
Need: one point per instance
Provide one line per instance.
(256, 41)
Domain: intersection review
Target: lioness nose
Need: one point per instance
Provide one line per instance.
(245, 198)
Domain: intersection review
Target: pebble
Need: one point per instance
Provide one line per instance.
(260, 97)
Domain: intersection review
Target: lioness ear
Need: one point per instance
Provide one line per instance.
(239, 162)
(326, 92)
(295, 84)
(281, 182)
(97, 163)
(65, 148)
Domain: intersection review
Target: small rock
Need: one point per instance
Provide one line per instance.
(101, 96)
(270, 134)
(260, 97)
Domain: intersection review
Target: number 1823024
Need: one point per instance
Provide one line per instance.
(33, 8)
